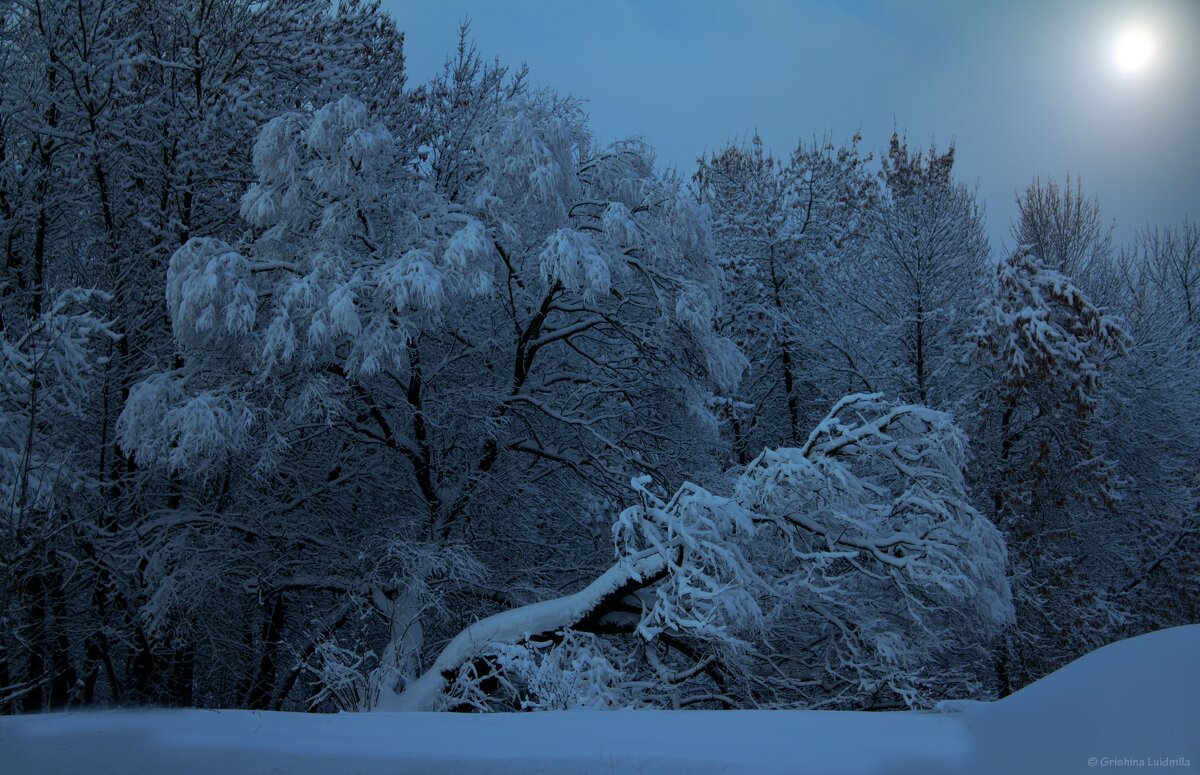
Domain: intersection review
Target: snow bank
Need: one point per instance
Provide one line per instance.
(1133, 701)
(1132, 705)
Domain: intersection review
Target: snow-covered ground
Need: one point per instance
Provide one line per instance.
(1132, 706)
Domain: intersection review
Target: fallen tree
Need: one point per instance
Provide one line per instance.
(859, 550)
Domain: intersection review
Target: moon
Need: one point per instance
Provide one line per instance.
(1133, 50)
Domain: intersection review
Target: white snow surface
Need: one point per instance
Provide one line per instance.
(1132, 706)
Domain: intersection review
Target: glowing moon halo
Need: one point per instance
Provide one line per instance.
(1133, 50)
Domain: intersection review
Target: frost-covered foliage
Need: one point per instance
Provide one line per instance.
(209, 298)
(192, 433)
(339, 675)
(860, 544)
(709, 584)
(126, 128)
(49, 368)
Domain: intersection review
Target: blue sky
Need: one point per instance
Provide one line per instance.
(1024, 88)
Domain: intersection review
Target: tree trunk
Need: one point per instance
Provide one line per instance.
(258, 696)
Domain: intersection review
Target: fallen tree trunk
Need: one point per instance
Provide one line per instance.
(544, 618)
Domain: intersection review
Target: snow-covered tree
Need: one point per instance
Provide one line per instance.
(488, 318)
(921, 276)
(1151, 428)
(1063, 227)
(47, 490)
(779, 230)
(860, 544)
(1043, 345)
(124, 126)
(1104, 510)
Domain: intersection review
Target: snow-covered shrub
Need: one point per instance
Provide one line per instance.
(339, 675)
(569, 670)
